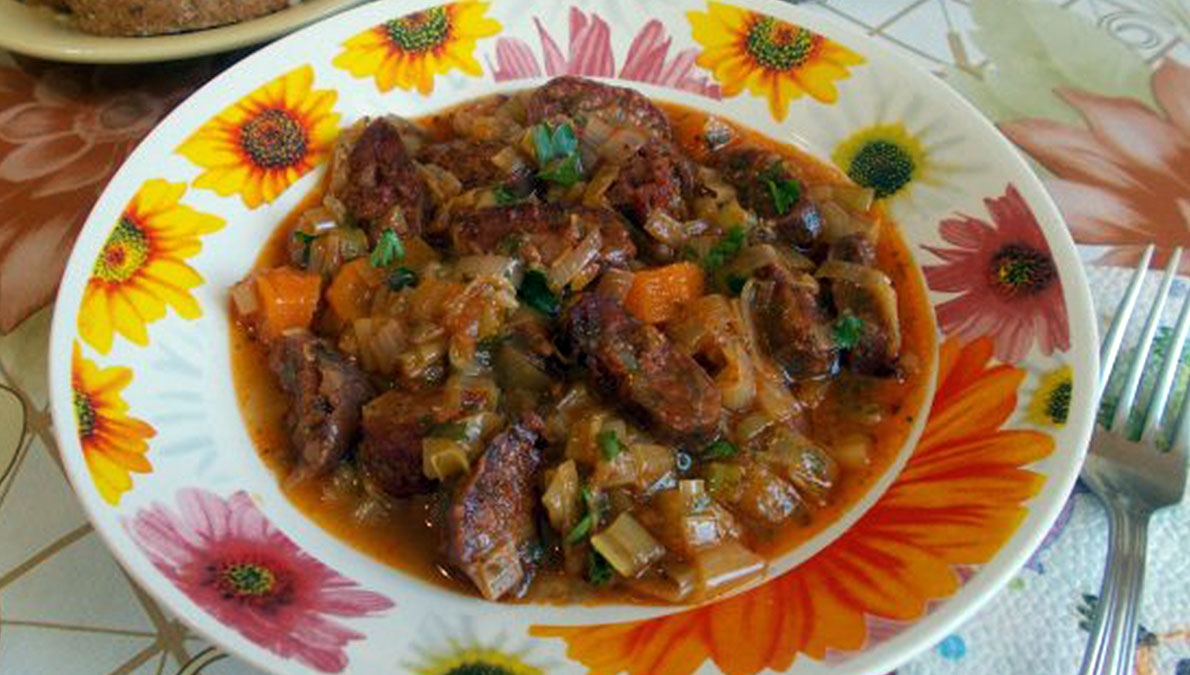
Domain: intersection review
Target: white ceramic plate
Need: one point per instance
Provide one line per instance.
(155, 446)
(38, 31)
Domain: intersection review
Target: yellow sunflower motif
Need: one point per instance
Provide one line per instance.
(412, 50)
(141, 268)
(884, 157)
(266, 141)
(459, 651)
(114, 444)
(1050, 404)
(769, 57)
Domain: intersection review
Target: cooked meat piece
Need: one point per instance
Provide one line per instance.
(326, 391)
(390, 452)
(491, 521)
(754, 172)
(854, 248)
(875, 305)
(470, 162)
(541, 233)
(138, 18)
(794, 327)
(382, 177)
(636, 363)
(656, 178)
(573, 97)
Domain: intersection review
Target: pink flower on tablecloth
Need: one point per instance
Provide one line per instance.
(63, 131)
(227, 558)
(590, 53)
(1124, 180)
(1006, 277)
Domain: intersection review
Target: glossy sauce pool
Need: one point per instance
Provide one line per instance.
(404, 537)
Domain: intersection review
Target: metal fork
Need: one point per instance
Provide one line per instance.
(1130, 474)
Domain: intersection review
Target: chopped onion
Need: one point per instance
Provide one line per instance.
(628, 546)
(473, 267)
(838, 223)
(615, 283)
(511, 161)
(725, 566)
(737, 379)
(673, 582)
(443, 458)
(444, 185)
(853, 451)
(561, 497)
(500, 571)
(665, 228)
(572, 263)
(858, 274)
(611, 143)
(599, 184)
(243, 296)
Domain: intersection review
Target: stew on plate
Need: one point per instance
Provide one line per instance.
(573, 345)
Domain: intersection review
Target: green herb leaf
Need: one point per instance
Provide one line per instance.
(402, 277)
(535, 292)
(581, 529)
(609, 444)
(848, 330)
(565, 171)
(599, 570)
(505, 195)
(565, 141)
(785, 191)
(389, 249)
(736, 283)
(455, 431)
(728, 246)
(543, 143)
(720, 450)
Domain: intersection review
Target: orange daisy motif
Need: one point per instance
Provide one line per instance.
(266, 141)
(958, 500)
(412, 50)
(114, 444)
(770, 58)
(141, 268)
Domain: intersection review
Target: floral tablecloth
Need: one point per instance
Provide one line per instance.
(1096, 92)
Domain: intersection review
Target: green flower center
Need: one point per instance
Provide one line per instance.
(248, 581)
(84, 414)
(780, 46)
(274, 139)
(479, 668)
(1057, 406)
(1019, 271)
(883, 166)
(125, 252)
(421, 31)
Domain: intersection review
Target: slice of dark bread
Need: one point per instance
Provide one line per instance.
(158, 17)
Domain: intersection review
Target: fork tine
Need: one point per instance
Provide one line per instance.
(1169, 370)
(1119, 324)
(1137, 367)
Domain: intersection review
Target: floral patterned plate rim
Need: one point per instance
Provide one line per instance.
(37, 31)
(146, 416)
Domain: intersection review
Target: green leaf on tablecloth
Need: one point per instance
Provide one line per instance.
(1036, 47)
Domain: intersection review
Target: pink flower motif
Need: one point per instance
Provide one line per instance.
(226, 557)
(1123, 180)
(589, 53)
(1009, 284)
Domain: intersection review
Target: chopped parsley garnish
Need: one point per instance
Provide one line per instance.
(736, 282)
(455, 431)
(726, 248)
(599, 570)
(565, 172)
(784, 191)
(505, 195)
(609, 444)
(402, 277)
(581, 529)
(720, 450)
(535, 292)
(848, 330)
(389, 249)
(557, 154)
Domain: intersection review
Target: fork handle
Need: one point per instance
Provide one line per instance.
(1112, 647)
